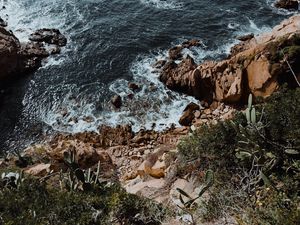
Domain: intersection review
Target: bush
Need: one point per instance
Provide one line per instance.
(252, 158)
(35, 203)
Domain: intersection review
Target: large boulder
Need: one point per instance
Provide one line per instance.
(188, 114)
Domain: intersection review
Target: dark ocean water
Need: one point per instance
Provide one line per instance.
(111, 43)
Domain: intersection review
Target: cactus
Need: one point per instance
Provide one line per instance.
(250, 111)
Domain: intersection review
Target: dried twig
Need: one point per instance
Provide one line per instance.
(289, 65)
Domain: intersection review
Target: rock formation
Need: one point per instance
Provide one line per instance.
(19, 58)
(257, 65)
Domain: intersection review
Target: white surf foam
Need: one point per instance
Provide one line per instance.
(163, 4)
(25, 17)
(152, 104)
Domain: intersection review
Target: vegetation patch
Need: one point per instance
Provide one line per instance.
(256, 159)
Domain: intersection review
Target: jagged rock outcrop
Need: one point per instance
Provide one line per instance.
(49, 36)
(287, 4)
(182, 77)
(257, 65)
(175, 53)
(18, 58)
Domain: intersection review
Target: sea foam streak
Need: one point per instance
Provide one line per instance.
(25, 17)
(163, 4)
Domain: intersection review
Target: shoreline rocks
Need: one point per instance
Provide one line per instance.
(49, 36)
(18, 58)
(256, 65)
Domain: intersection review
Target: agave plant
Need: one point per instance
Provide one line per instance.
(78, 177)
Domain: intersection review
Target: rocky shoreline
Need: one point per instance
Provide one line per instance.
(145, 162)
(18, 58)
(256, 65)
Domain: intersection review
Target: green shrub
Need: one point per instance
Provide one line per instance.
(35, 203)
(213, 145)
(252, 158)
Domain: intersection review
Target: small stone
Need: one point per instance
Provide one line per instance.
(216, 112)
(116, 101)
(147, 151)
(203, 116)
(133, 86)
(207, 111)
(130, 96)
(197, 114)
(88, 119)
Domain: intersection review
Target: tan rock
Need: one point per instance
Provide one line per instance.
(253, 67)
(144, 188)
(39, 170)
(158, 170)
(260, 81)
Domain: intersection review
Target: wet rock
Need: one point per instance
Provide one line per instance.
(55, 50)
(192, 43)
(246, 37)
(175, 53)
(159, 64)
(287, 4)
(130, 96)
(133, 86)
(3, 23)
(88, 119)
(31, 56)
(254, 67)
(192, 107)
(17, 58)
(49, 36)
(116, 101)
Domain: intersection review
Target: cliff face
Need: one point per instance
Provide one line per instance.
(257, 65)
